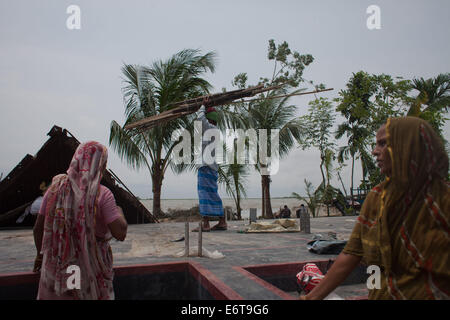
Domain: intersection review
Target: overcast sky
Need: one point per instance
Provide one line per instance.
(51, 75)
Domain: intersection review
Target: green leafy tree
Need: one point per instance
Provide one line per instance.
(355, 106)
(317, 127)
(288, 66)
(389, 99)
(366, 103)
(369, 100)
(273, 113)
(148, 91)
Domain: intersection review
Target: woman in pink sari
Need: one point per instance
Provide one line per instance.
(77, 219)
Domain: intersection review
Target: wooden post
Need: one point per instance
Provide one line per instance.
(186, 238)
(225, 213)
(200, 239)
(253, 215)
(305, 221)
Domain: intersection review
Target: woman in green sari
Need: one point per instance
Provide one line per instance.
(404, 224)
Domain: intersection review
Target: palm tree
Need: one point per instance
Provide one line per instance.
(234, 177)
(149, 91)
(356, 148)
(312, 199)
(273, 114)
(434, 94)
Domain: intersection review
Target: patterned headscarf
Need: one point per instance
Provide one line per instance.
(414, 212)
(404, 224)
(69, 229)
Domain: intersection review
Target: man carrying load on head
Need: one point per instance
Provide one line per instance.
(210, 203)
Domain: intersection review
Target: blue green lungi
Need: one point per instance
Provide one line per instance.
(209, 199)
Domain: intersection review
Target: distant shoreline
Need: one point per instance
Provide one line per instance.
(151, 199)
(173, 205)
(246, 204)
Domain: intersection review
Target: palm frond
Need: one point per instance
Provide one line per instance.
(127, 149)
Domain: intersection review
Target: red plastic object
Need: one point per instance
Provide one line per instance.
(309, 277)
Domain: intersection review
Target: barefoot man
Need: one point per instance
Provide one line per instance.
(209, 200)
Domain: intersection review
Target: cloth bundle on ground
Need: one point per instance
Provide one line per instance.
(326, 246)
(280, 225)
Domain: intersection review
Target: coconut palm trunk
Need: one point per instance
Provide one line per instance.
(157, 177)
(266, 204)
(238, 197)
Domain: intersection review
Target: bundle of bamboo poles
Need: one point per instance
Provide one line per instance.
(186, 107)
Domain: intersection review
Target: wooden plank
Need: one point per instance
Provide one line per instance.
(284, 95)
(190, 106)
(213, 96)
(145, 125)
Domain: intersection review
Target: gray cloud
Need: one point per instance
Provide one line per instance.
(52, 75)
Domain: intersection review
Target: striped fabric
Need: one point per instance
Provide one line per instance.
(209, 199)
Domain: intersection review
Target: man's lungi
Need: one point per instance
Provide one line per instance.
(209, 199)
